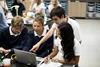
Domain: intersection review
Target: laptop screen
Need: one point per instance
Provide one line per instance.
(25, 57)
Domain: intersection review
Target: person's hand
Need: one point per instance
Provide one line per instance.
(46, 59)
(4, 50)
(7, 51)
(35, 48)
(54, 60)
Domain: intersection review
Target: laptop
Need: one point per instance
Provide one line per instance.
(25, 57)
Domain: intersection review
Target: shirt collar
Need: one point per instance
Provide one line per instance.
(43, 34)
(11, 33)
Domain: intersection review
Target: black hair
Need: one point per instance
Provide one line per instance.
(15, 2)
(57, 11)
(67, 42)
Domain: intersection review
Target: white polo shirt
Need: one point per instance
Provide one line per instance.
(57, 42)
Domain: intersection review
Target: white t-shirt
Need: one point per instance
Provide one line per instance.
(57, 42)
(37, 8)
(76, 28)
(40, 8)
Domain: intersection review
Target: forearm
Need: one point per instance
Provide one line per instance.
(48, 35)
(67, 62)
(53, 54)
(71, 62)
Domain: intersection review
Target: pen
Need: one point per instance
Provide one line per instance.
(41, 62)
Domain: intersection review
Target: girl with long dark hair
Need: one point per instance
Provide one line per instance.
(68, 46)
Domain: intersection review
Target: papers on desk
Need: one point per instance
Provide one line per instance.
(50, 64)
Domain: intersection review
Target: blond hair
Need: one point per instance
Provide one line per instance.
(17, 21)
(39, 15)
(39, 19)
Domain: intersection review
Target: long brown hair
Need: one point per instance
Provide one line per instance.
(66, 33)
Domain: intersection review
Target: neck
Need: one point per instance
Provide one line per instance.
(63, 20)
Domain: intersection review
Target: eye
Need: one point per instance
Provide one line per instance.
(55, 19)
(34, 25)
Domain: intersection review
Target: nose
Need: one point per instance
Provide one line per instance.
(18, 31)
(36, 28)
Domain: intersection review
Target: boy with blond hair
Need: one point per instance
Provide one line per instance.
(14, 36)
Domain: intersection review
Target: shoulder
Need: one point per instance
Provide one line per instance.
(4, 31)
(31, 32)
(25, 31)
(72, 21)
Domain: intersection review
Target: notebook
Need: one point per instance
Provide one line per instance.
(25, 57)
